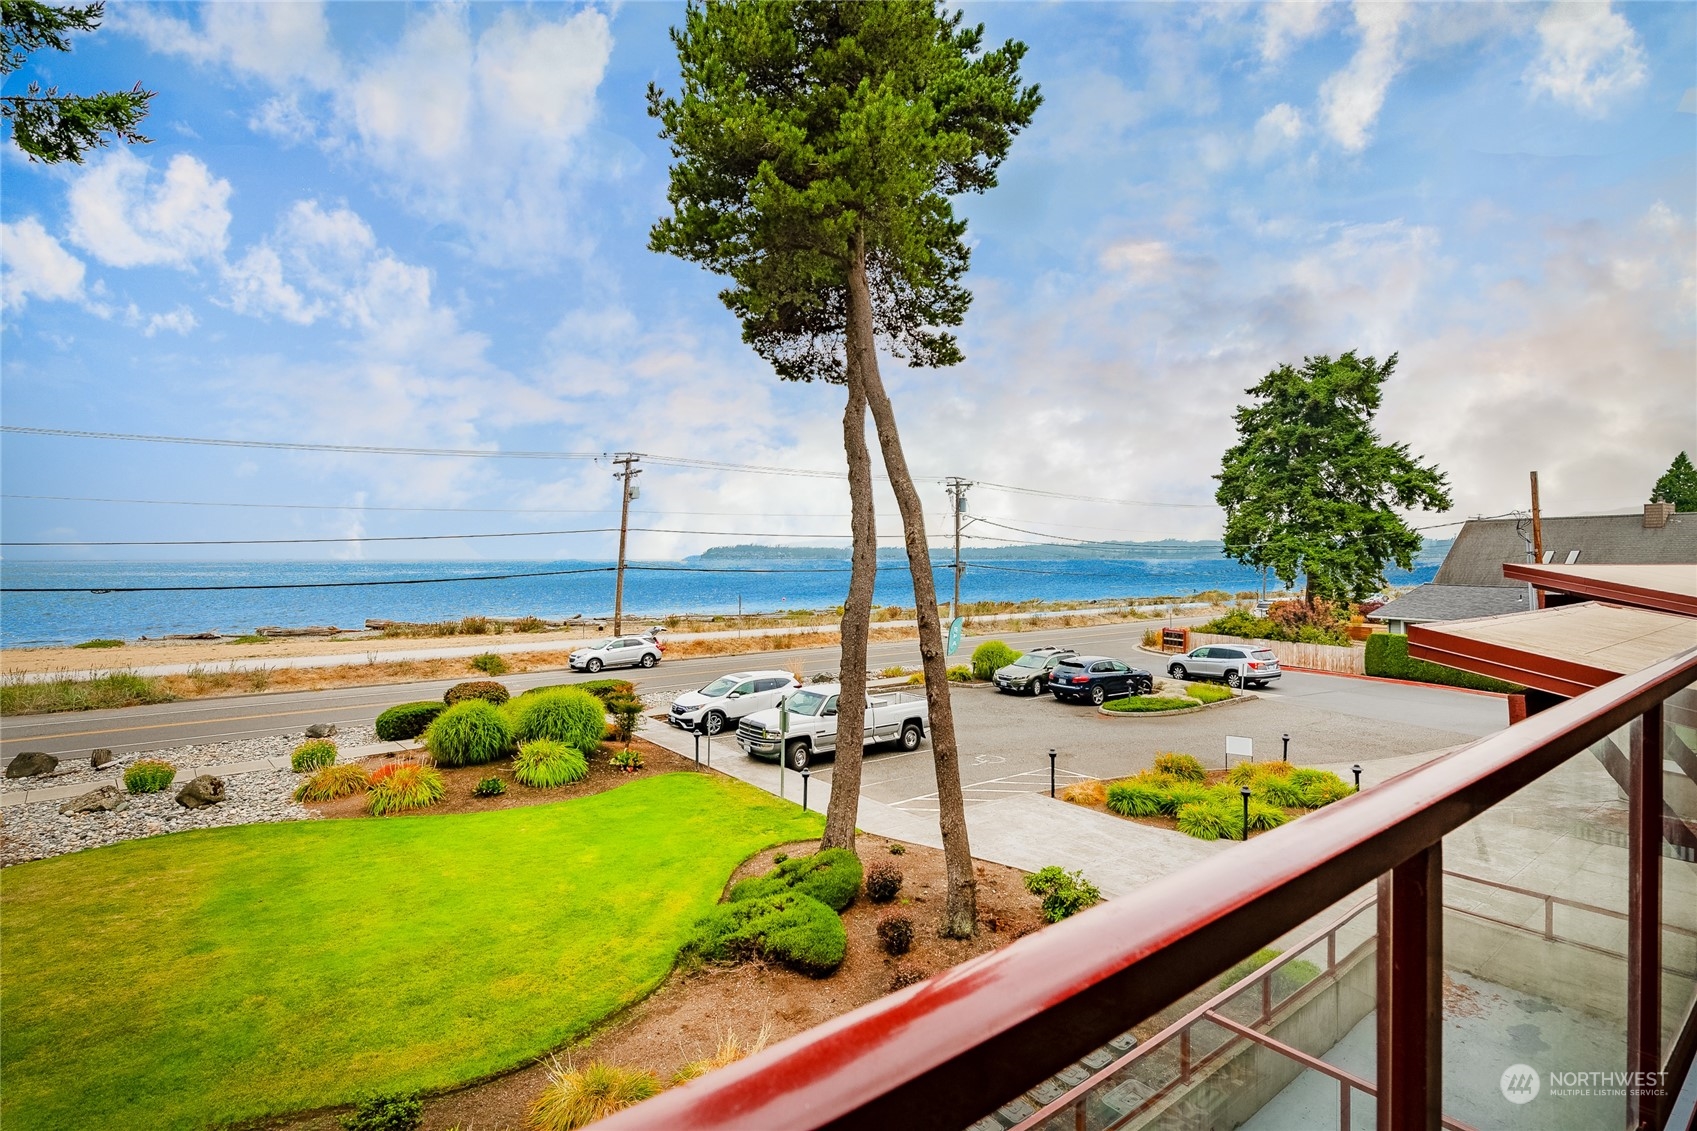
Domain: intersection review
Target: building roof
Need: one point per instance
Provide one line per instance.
(1452, 602)
(1664, 588)
(1484, 546)
(1566, 650)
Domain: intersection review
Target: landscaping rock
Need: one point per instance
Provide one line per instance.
(31, 764)
(106, 799)
(100, 759)
(202, 791)
(321, 730)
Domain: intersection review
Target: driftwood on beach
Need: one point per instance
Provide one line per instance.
(309, 630)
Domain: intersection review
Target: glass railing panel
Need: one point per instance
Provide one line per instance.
(1535, 897)
(1679, 863)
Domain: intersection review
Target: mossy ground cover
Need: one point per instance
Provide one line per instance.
(227, 974)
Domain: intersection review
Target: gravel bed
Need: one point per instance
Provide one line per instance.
(39, 830)
(75, 770)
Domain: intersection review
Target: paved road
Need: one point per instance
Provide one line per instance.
(246, 716)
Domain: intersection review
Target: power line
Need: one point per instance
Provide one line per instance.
(406, 510)
(433, 537)
(1092, 498)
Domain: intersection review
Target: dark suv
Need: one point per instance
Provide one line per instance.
(1096, 679)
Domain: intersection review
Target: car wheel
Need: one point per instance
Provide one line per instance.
(649, 659)
(1098, 695)
(1177, 671)
(714, 722)
(1037, 687)
(594, 665)
(911, 734)
(796, 755)
(1147, 687)
(1234, 679)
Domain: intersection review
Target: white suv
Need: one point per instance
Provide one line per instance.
(721, 703)
(620, 651)
(1240, 665)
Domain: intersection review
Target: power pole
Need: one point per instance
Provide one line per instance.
(628, 490)
(957, 493)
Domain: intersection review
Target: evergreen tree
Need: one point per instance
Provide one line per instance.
(47, 125)
(1678, 485)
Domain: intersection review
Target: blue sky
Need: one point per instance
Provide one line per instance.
(425, 225)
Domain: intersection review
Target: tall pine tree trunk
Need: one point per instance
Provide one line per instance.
(960, 916)
(844, 809)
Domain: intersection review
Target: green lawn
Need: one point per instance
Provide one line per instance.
(224, 974)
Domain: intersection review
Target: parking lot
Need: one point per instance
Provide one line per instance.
(1005, 739)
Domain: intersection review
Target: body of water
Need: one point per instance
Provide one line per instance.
(555, 589)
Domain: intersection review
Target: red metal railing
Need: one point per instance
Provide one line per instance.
(943, 1052)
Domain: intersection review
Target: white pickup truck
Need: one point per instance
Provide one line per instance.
(896, 716)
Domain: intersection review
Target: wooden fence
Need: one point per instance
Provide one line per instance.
(1320, 657)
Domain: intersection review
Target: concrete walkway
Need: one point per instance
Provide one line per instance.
(219, 769)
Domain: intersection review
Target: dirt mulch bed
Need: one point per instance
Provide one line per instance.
(462, 780)
(691, 1012)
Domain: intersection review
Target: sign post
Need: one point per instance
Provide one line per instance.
(1237, 747)
(957, 628)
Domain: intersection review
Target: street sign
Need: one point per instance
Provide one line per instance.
(956, 629)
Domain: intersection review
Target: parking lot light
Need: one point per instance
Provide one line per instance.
(1244, 791)
(1051, 771)
(1357, 769)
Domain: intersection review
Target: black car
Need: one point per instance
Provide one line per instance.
(1097, 679)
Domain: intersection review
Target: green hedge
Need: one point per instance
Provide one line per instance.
(565, 714)
(792, 928)
(470, 733)
(1387, 656)
(407, 720)
(832, 877)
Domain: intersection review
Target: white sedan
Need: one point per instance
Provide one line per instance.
(620, 651)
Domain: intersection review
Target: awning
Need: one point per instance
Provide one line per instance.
(1665, 588)
(1565, 650)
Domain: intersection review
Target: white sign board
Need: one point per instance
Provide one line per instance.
(1239, 748)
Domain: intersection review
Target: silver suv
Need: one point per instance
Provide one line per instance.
(620, 651)
(1029, 675)
(1240, 665)
(727, 699)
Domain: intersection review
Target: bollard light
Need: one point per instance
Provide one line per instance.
(698, 750)
(806, 773)
(1244, 790)
(1051, 771)
(1287, 748)
(1357, 769)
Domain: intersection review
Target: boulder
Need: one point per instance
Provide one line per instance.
(321, 730)
(201, 792)
(100, 759)
(106, 799)
(31, 764)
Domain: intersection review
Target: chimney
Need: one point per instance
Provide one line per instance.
(1656, 515)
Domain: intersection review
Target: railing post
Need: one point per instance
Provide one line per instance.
(1644, 914)
(1184, 1054)
(1411, 974)
(1343, 1105)
(1549, 919)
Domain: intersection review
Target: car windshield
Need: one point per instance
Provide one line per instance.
(805, 702)
(719, 687)
(1029, 661)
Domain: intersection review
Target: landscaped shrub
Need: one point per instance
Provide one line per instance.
(790, 927)
(485, 689)
(1143, 704)
(383, 773)
(577, 1097)
(545, 764)
(1248, 773)
(1320, 787)
(1064, 893)
(627, 760)
(489, 787)
(627, 716)
(1208, 692)
(1180, 794)
(386, 1113)
(564, 714)
(1085, 793)
(148, 775)
(895, 933)
(334, 782)
(1181, 766)
(489, 663)
(1207, 820)
(883, 881)
(1280, 791)
(1387, 656)
(407, 720)
(312, 754)
(960, 673)
(832, 877)
(989, 656)
(405, 787)
(469, 733)
(1152, 638)
(603, 689)
(898, 849)
(730, 1051)
(1135, 799)
(1287, 979)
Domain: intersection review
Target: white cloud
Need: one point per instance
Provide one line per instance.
(277, 42)
(36, 265)
(1277, 130)
(283, 118)
(125, 217)
(1588, 55)
(1351, 99)
(178, 321)
(1139, 259)
(1283, 25)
